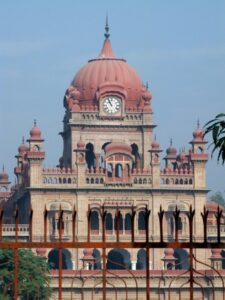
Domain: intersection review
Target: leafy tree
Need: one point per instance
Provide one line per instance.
(217, 128)
(33, 279)
(218, 198)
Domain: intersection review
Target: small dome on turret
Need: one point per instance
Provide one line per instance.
(155, 144)
(35, 132)
(80, 144)
(4, 177)
(171, 150)
(198, 134)
(182, 155)
(23, 147)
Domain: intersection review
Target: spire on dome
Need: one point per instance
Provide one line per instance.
(106, 51)
(35, 123)
(107, 35)
(171, 141)
(3, 168)
(198, 123)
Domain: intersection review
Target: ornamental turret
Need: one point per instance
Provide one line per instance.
(35, 156)
(199, 157)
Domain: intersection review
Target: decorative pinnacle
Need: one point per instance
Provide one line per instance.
(3, 168)
(146, 86)
(23, 140)
(107, 35)
(155, 137)
(35, 123)
(198, 123)
(171, 141)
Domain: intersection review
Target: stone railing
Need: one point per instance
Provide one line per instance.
(57, 176)
(137, 177)
(183, 177)
(8, 230)
(212, 230)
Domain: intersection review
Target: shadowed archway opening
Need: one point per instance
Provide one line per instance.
(97, 256)
(182, 259)
(53, 259)
(141, 259)
(118, 259)
(90, 156)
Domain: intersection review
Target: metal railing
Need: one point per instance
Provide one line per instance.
(133, 243)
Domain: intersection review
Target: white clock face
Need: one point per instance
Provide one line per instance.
(111, 104)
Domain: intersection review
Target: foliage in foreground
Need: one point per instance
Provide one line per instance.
(218, 198)
(33, 279)
(217, 128)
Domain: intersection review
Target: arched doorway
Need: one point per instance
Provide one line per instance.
(118, 259)
(53, 259)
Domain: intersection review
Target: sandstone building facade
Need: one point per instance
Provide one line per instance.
(110, 158)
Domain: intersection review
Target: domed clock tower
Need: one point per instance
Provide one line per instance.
(106, 101)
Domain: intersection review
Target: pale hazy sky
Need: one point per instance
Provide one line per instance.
(177, 46)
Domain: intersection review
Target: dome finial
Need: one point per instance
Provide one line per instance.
(171, 141)
(35, 123)
(146, 86)
(3, 168)
(198, 123)
(107, 35)
(23, 140)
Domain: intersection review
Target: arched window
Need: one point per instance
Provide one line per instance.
(135, 153)
(119, 171)
(90, 156)
(223, 261)
(127, 170)
(108, 222)
(171, 225)
(102, 156)
(118, 259)
(120, 223)
(179, 224)
(141, 260)
(53, 259)
(141, 220)
(94, 221)
(128, 222)
(109, 170)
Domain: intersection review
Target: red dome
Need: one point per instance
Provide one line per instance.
(41, 251)
(111, 74)
(80, 144)
(171, 151)
(4, 177)
(35, 133)
(23, 147)
(198, 134)
(155, 145)
(117, 147)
